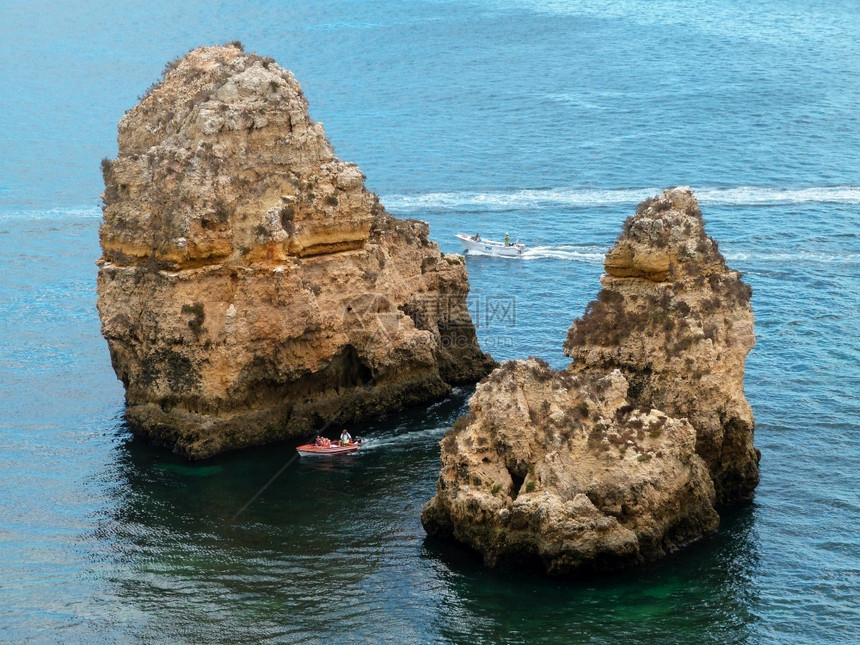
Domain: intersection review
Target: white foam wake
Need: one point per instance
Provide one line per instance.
(594, 255)
(499, 201)
(776, 259)
(753, 196)
(569, 252)
(58, 213)
(548, 197)
(404, 440)
(591, 198)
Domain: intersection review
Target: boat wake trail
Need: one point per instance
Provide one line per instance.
(595, 198)
(585, 254)
(594, 255)
(406, 440)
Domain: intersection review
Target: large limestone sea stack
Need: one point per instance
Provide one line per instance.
(627, 453)
(250, 287)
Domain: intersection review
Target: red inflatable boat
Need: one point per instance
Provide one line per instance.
(322, 447)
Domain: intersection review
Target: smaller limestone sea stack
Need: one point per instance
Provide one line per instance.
(250, 287)
(627, 453)
(678, 324)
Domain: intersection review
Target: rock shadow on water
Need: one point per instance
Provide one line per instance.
(177, 562)
(171, 556)
(706, 592)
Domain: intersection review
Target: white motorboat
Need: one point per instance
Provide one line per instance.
(489, 247)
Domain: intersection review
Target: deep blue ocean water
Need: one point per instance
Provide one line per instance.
(546, 119)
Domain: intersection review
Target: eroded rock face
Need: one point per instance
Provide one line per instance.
(250, 287)
(677, 322)
(557, 468)
(625, 454)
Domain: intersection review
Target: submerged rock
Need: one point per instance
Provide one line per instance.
(626, 454)
(250, 287)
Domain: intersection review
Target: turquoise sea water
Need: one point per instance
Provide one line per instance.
(546, 119)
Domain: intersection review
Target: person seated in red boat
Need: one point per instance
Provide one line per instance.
(345, 437)
(322, 442)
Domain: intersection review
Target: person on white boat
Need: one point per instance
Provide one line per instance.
(507, 240)
(345, 437)
(477, 237)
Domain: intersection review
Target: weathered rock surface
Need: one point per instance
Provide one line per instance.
(626, 454)
(558, 468)
(677, 322)
(250, 287)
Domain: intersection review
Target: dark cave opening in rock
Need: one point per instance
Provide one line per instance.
(347, 370)
(516, 483)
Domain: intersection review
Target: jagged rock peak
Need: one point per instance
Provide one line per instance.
(250, 287)
(665, 237)
(215, 88)
(677, 321)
